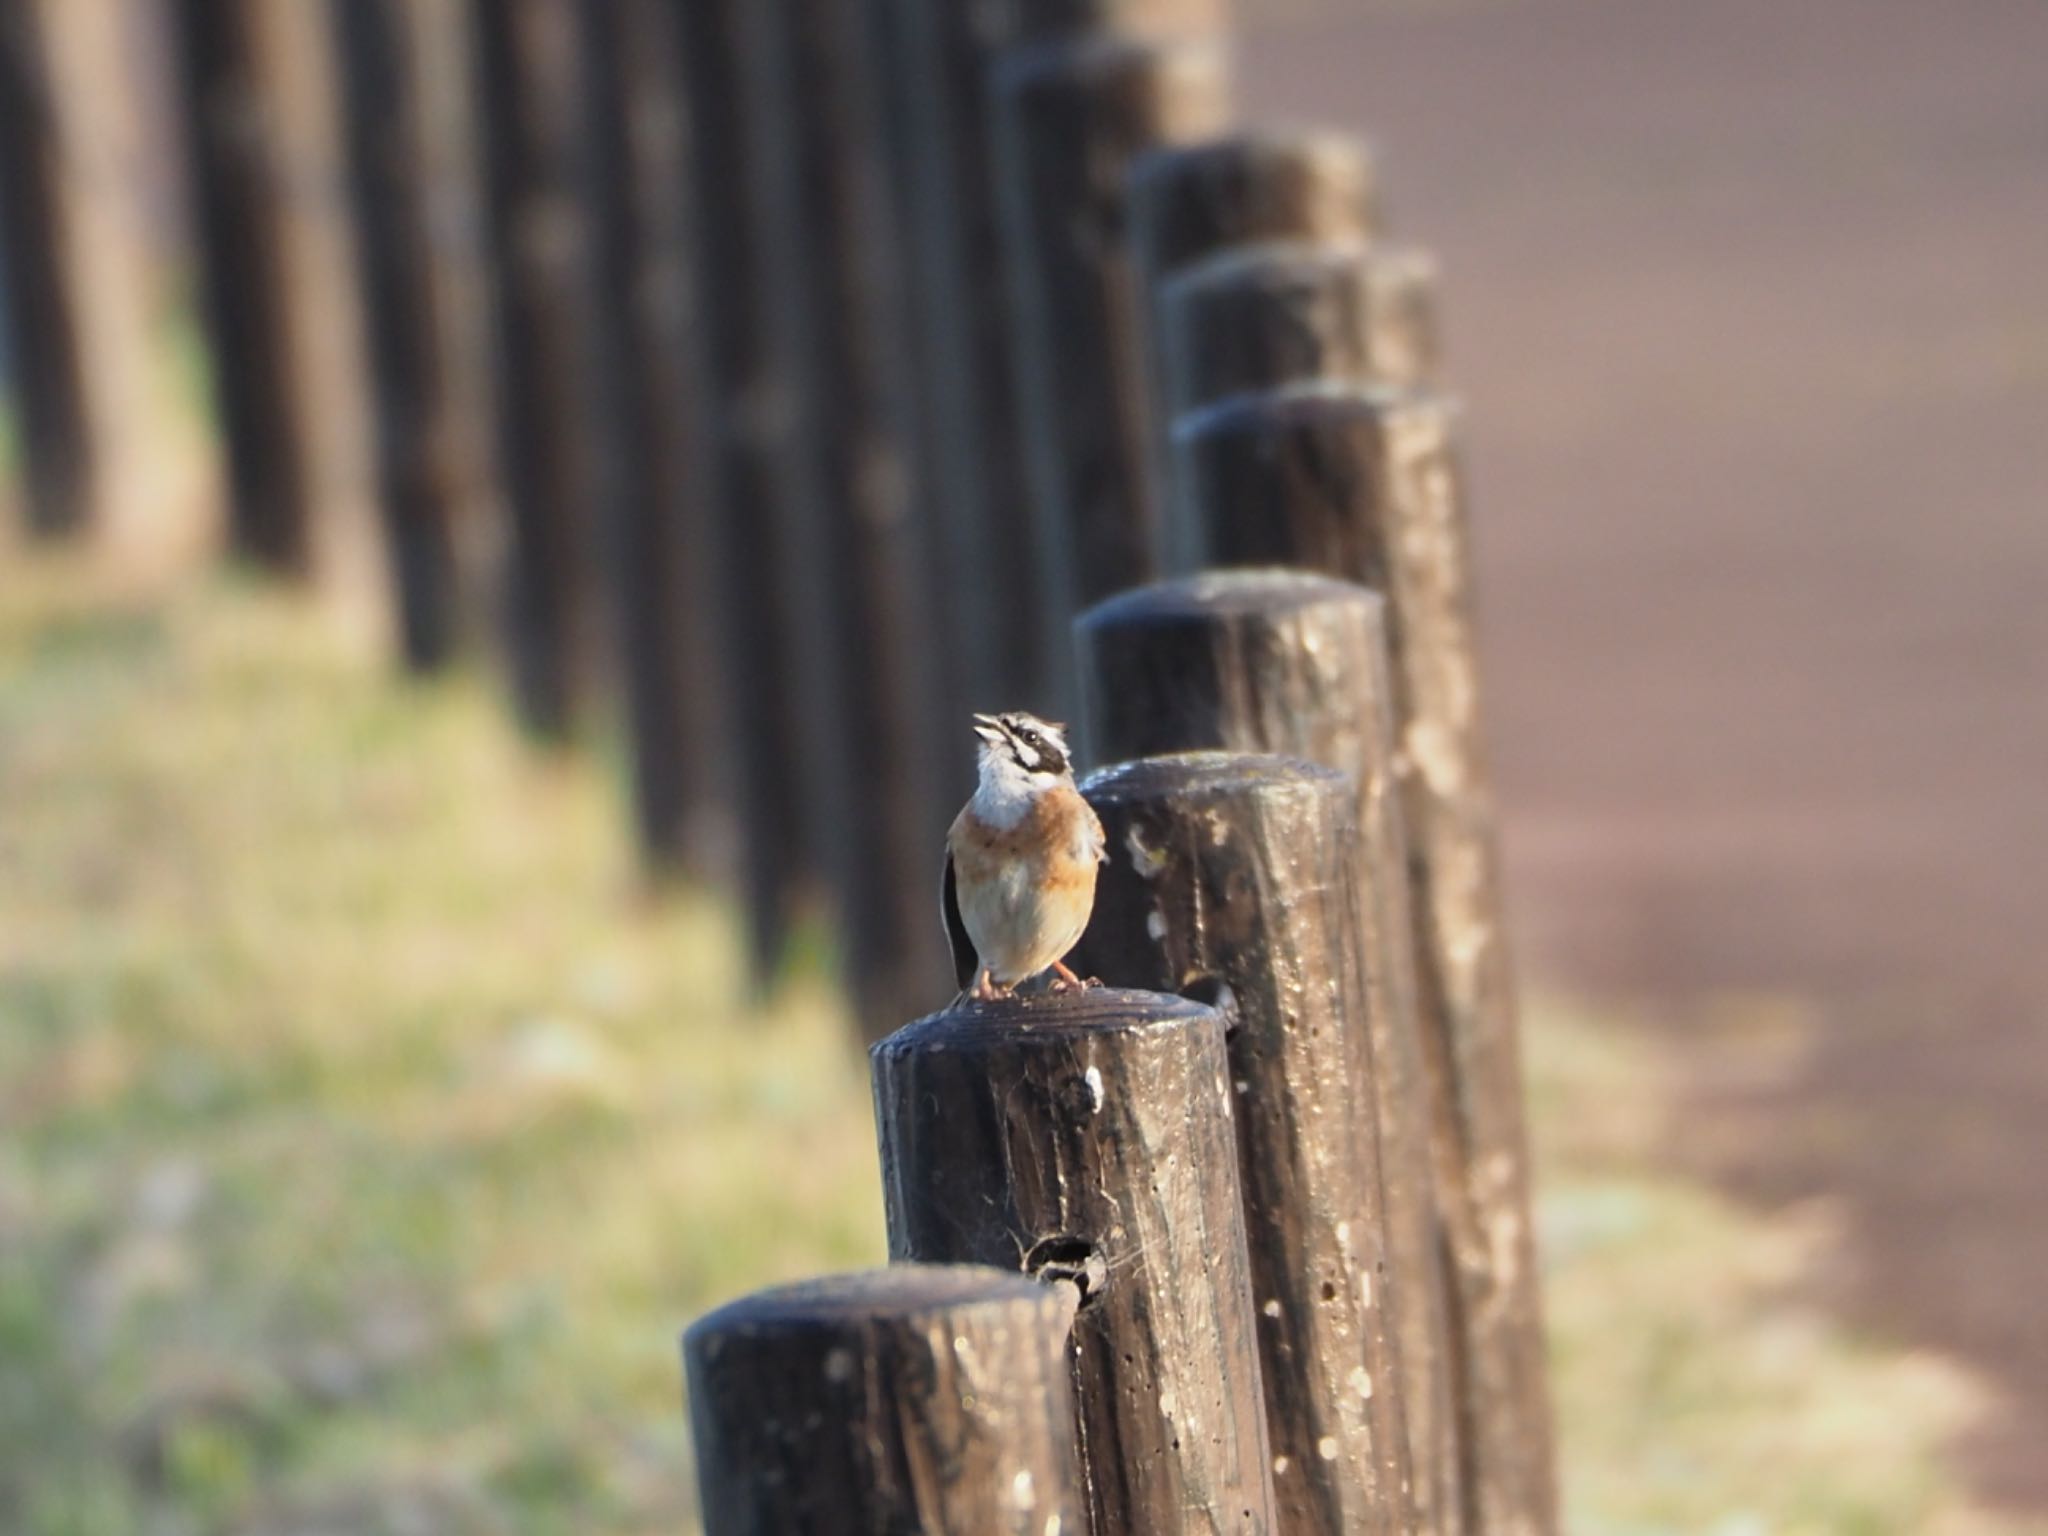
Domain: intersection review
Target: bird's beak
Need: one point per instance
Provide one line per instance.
(988, 728)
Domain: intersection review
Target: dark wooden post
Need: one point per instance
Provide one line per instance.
(528, 91)
(243, 267)
(1070, 117)
(747, 438)
(1189, 202)
(1292, 663)
(37, 284)
(656, 522)
(1257, 317)
(1088, 1136)
(405, 332)
(1239, 875)
(920, 1398)
(871, 735)
(1366, 484)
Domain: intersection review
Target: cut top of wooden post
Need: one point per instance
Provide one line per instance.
(918, 1397)
(1001, 23)
(1286, 312)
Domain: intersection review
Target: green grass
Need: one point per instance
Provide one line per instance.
(369, 1135)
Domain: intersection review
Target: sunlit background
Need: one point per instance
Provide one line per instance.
(370, 1122)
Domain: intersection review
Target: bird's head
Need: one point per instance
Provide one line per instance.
(1018, 745)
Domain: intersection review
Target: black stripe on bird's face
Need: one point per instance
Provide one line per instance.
(1035, 745)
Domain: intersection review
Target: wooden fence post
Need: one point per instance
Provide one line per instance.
(655, 518)
(39, 288)
(1239, 875)
(1292, 663)
(1257, 317)
(915, 1398)
(1366, 484)
(404, 329)
(871, 739)
(1088, 1136)
(242, 262)
(747, 432)
(1070, 116)
(1190, 202)
(527, 58)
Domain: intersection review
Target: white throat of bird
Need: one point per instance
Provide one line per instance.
(1008, 789)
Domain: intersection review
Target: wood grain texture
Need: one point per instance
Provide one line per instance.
(1088, 1135)
(1367, 484)
(918, 1398)
(1293, 663)
(1237, 875)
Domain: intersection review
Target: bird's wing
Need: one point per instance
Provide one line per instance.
(966, 960)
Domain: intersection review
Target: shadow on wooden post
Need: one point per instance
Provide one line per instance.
(916, 1398)
(1366, 484)
(1189, 202)
(1070, 117)
(1291, 663)
(39, 288)
(404, 329)
(1088, 1136)
(1238, 876)
(747, 436)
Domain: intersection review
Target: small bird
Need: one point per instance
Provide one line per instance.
(1020, 861)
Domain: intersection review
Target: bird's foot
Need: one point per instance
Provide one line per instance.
(1064, 979)
(985, 989)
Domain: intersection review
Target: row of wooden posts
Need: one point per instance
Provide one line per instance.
(846, 351)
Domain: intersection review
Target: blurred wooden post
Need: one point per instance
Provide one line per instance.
(870, 736)
(655, 520)
(1257, 317)
(1292, 663)
(934, 68)
(1238, 875)
(1088, 1137)
(747, 437)
(529, 95)
(1070, 116)
(38, 286)
(1366, 484)
(241, 250)
(404, 329)
(915, 1398)
(1189, 202)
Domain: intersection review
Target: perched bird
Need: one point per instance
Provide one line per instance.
(1020, 861)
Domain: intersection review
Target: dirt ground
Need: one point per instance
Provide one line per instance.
(1750, 301)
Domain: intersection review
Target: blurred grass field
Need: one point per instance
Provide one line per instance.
(366, 1135)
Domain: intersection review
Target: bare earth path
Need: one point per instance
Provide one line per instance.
(1750, 300)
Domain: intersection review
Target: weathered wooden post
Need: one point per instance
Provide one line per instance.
(1260, 316)
(405, 333)
(1239, 875)
(872, 735)
(1088, 1137)
(528, 89)
(1189, 202)
(655, 518)
(921, 1398)
(242, 263)
(747, 433)
(39, 290)
(1366, 484)
(1292, 663)
(1070, 116)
